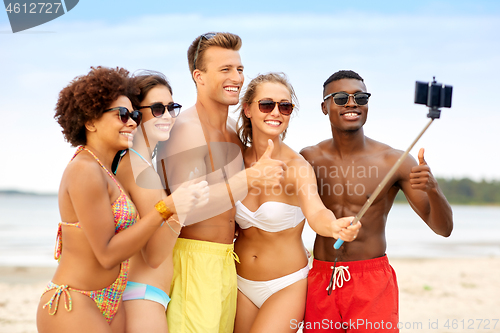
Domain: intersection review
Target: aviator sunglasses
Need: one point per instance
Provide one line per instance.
(267, 106)
(124, 114)
(207, 36)
(158, 109)
(342, 98)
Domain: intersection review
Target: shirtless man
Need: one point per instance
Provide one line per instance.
(204, 287)
(348, 167)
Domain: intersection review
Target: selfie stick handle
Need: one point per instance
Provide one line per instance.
(382, 184)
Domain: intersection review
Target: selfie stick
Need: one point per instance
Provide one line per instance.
(434, 113)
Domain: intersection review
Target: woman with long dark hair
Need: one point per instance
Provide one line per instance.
(151, 269)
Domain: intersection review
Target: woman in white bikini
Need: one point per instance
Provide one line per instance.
(151, 269)
(272, 275)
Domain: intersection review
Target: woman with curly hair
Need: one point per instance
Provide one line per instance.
(151, 270)
(272, 282)
(100, 229)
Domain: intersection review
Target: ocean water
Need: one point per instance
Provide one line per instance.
(28, 226)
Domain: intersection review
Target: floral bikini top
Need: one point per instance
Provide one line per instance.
(124, 211)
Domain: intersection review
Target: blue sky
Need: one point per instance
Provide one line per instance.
(106, 10)
(391, 44)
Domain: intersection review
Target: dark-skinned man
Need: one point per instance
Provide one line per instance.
(361, 294)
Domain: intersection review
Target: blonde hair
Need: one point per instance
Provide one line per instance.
(245, 129)
(225, 40)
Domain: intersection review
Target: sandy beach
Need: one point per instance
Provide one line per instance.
(436, 295)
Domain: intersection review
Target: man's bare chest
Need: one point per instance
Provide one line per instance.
(350, 181)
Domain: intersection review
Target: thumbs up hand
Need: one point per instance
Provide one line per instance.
(267, 172)
(421, 177)
(421, 160)
(269, 150)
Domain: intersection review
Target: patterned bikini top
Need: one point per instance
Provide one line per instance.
(124, 211)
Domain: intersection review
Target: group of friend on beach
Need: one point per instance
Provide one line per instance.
(197, 227)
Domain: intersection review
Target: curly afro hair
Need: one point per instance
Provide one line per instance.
(86, 97)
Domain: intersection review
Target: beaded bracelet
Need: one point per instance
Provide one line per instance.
(177, 233)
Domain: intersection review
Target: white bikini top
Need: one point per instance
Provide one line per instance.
(271, 216)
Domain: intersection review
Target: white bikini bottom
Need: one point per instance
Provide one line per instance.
(259, 291)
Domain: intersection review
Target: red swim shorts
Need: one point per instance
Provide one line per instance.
(364, 297)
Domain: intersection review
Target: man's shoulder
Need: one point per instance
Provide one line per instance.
(185, 135)
(187, 119)
(385, 155)
(317, 150)
(232, 124)
(232, 128)
(383, 150)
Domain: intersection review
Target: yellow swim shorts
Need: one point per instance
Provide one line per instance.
(204, 287)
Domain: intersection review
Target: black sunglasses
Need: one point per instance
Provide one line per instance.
(124, 114)
(207, 36)
(342, 98)
(158, 109)
(267, 106)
